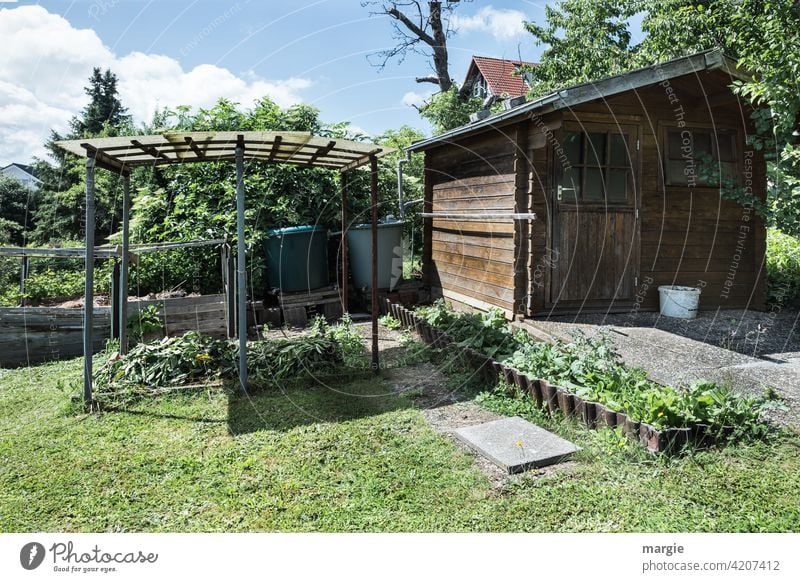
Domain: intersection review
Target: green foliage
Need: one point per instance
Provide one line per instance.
(187, 359)
(104, 111)
(61, 199)
(449, 109)
(17, 204)
(192, 201)
(783, 268)
(389, 322)
(51, 281)
(145, 321)
(487, 333)
(586, 40)
(399, 139)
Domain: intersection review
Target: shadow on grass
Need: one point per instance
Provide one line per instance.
(152, 414)
(334, 399)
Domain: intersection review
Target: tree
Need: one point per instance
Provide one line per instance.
(184, 202)
(60, 211)
(449, 109)
(16, 205)
(585, 40)
(104, 111)
(419, 31)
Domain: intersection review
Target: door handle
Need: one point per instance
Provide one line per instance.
(560, 192)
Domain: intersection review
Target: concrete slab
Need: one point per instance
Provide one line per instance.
(515, 444)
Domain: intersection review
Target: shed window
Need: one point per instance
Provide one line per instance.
(600, 169)
(700, 156)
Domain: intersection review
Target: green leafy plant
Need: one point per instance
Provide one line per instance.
(389, 322)
(146, 321)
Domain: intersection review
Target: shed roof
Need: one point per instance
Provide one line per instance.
(500, 75)
(713, 59)
(284, 147)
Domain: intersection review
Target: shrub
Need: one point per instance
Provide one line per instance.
(783, 268)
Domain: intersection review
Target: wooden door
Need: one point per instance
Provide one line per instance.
(595, 231)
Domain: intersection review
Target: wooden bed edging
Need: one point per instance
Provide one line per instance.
(555, 398)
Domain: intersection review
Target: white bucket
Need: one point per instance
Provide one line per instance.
(677, 301)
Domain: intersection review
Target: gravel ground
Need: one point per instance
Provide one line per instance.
(752, 333)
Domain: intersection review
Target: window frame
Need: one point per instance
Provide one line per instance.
(629, 135)
(711, 131)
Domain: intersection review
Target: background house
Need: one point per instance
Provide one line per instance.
(491, 78)
(21, 173)
(611, 169)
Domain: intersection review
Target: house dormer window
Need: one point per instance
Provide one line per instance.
(479, 87)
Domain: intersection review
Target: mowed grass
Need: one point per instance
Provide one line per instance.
(347, 459)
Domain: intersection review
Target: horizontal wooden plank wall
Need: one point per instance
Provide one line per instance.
(472, 261)
(37, 334)
(205, 313)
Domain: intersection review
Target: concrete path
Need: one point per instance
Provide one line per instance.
(673, 359)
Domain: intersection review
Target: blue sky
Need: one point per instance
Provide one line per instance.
(169, 52)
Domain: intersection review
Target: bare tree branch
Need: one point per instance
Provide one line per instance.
(421, 34)
(415, 26)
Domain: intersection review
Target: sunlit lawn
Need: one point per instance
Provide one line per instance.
(335, 460)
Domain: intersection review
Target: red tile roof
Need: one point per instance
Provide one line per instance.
(499, 75)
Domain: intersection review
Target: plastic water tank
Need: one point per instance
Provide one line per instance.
(297, 258)
(390, 254)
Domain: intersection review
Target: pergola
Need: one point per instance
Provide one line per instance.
(122, 154)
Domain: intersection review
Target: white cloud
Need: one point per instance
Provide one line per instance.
(502, 23)
(46, 63)
(414, 99)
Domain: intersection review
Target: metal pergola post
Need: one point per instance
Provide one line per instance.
(373, 165)
(88, 294)
(241, 287)
(123, 275)
(343, 247)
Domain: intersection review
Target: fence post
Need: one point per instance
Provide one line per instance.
(115, 299)
(23, 275)
(88, 295)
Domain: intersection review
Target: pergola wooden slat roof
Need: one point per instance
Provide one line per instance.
(121, 154)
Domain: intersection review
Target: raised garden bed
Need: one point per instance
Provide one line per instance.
(556, 398)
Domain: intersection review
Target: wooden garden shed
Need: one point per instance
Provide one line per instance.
(591, 197)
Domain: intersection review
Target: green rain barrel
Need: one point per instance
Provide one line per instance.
(297, 258)
(390, 254)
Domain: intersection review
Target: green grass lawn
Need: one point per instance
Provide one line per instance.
(315, 459)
